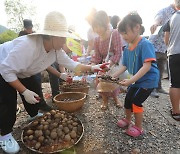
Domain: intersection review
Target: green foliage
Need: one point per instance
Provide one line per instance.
(16, 11)
(7, 36)
(69, 151)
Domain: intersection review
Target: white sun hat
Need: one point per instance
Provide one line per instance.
(55, 25)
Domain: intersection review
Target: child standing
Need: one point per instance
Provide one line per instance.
(108, 40)
(139, 59)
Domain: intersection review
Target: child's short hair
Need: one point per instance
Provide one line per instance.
(100, 19)
(130, 20)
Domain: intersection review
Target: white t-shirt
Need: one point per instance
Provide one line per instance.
(25, 56)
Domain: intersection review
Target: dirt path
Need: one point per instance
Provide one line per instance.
(103, 136)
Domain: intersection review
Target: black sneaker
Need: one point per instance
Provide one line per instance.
(44, 107)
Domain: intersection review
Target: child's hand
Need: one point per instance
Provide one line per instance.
(125, 82)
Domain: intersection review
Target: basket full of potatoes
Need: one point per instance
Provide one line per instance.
(53, 132)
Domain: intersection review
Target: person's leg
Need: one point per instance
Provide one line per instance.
(54, 81)
(42, 104)
(32, 84)
(161, 61)
(140, 96)
(8, 104)
(117, 101)
(175, 99)
(104, 102)
(174, 64)
(124, 122)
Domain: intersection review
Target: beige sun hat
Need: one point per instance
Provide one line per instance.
(55, 25)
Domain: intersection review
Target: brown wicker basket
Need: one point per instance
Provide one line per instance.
(78, 99)
(82, 89)
(77, 87)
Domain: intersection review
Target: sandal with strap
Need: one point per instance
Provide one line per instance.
(175, 116)
(134, 131)
(123, 123)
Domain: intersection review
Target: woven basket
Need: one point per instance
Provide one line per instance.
(70, 106)
(106, 86)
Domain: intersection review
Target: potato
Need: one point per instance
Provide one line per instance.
(54, 124)
(26, 138)
(34, 123)
(70, 126)
(59, 132)
(47, 132)
(31, 137)
(75, 129)
(37, 146)
(60, 126)
(74, 123)
(38, 133)
(58, 115)
(67, 137)
(40, 127)
(53, 112)
(45, 127)
(73, 134)
(41, 139)
(29, 132)
(66, 130)
(53, 135)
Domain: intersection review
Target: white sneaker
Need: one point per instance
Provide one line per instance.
(154, 93)
(36, 116)
(9, 144)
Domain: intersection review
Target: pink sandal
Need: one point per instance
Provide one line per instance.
(134, 131)
(123, 123)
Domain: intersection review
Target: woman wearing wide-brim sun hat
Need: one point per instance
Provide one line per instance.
(24, 57)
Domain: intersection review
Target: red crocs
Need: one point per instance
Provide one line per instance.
(123, 123)
(134, 131)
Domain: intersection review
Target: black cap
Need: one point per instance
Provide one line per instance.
(27, 23)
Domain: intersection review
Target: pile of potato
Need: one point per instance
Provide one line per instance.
(54, 131)
(108, 78)
(74, 84)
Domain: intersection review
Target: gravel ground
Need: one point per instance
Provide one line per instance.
(103, 136)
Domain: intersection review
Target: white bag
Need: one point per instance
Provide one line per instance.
(114, 68)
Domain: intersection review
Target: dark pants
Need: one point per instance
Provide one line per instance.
(54, 80)
(161, 61)
(8, 102)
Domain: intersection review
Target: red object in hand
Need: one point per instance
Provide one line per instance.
(69, 80)
(104, 65)
(38, 98)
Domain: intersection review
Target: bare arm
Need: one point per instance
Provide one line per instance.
(144, 69)
(18, 86)
(82, 68)
(123, 69)
(54, 71)
(62, 69)
(166, 37)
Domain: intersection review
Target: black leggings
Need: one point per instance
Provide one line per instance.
(8, 102)
(136, 96)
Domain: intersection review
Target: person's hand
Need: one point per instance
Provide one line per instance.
(31, 97)
(125, 82)
(63, 76)
(99, 67)
(153, 28)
